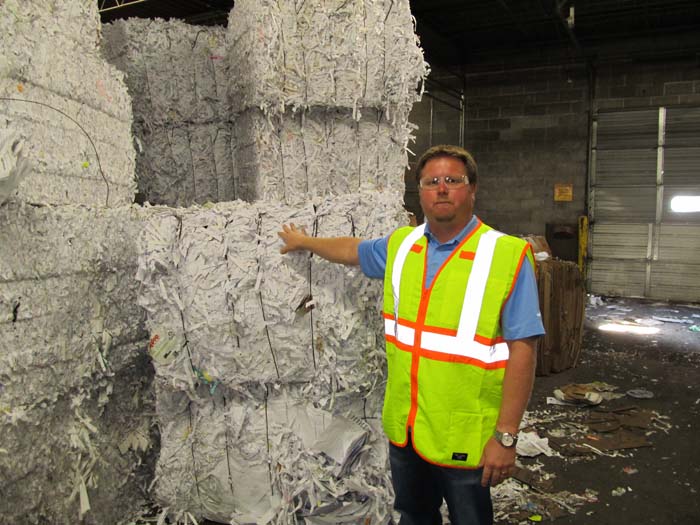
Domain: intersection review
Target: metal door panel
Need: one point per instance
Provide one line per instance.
(618, 277)
(621, 241)
(625, 204)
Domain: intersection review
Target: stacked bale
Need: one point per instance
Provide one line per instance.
(316, 152)
(68, 107)
(265, 361)
(269, 368)
(323, 106)
(177, 76)
(74, 383)
(324, 53)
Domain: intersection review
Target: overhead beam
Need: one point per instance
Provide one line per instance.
(116, 4)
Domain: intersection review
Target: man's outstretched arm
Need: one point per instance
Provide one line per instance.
(341, 250)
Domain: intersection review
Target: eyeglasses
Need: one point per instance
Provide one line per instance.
(452, 182)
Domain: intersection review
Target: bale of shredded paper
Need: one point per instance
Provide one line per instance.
(184, 163)
(67, 298)
(320, 152)
(265, 454)
(233, 324)
(221, 297)
(74, 379)
(176, 72)
(86, 458)
(177, 76)
(338, 54)
(68, 106)
(74, 23)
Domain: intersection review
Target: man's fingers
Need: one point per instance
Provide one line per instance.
(486, 477)
(493, 476)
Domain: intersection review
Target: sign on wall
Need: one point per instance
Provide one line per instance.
(563, 192)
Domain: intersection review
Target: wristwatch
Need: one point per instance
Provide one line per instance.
(506, 439)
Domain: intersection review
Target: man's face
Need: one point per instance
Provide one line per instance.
(447, 206)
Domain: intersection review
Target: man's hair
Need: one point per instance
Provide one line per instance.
(445, 150)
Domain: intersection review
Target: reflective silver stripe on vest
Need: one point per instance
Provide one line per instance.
(476, 286)
(403, 333)
(399, 262)
(463, 344)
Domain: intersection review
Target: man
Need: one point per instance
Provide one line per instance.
(461, 321)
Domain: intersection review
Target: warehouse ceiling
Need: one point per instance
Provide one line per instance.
(467, 32)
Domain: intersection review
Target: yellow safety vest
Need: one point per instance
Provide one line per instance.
(445, 352)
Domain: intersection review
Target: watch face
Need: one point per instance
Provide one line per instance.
(507, 440)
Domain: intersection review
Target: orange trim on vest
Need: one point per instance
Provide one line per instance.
(442, 331)
(415, 358)
(467, 255)
(489, 341)
(416, 248)
(450, 358)
(405, 444)
(426, 328)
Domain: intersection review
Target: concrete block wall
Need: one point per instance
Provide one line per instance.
(629, 86)
(438, 120)
(528, 130)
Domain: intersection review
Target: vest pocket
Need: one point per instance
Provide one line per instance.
(464, 444)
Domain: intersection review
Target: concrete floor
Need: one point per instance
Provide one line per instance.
(660, 482)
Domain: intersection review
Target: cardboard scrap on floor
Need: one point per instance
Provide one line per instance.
(591, 423)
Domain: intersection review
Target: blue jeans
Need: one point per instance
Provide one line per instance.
(420, 488)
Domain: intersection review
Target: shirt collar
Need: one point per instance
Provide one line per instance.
(457, 238)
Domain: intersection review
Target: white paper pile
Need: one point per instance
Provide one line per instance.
(74, 374)
(294, 157)
(67, 298)
(66, 105)
(322, 96)
(81, 459)
(260, 454)
(176, 72)
(177, 76)
(185, 164)
(325, 53)
(235, 328)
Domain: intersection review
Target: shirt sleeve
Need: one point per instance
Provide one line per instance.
(521, 315)
(372, 254)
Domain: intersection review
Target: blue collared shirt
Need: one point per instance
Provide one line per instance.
(521, 316)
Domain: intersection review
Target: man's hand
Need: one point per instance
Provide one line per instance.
(342, 250)
(293, 238)
(498, 462)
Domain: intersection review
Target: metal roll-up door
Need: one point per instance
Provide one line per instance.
(639, 246)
